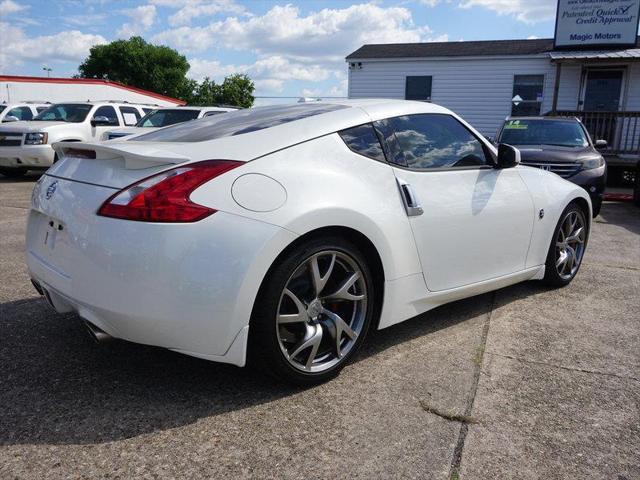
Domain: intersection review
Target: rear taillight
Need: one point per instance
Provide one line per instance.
(165, 197)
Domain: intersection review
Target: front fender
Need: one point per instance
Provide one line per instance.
(551, 194)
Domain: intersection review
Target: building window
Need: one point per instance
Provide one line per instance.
(527, 95)
(418, 88)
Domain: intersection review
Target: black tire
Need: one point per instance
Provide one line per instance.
(552, 276)
(13, 172)
(265, 350)
(597, 206)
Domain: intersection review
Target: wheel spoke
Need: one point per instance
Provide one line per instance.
(343, 291)
(319, 280)
(341, 327)
(576, 236)
(311, 340)
(572, 258)
(562, 260)
(300, 316)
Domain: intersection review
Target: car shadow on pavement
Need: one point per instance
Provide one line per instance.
(58, 387)
(623, 214)
(29, 177)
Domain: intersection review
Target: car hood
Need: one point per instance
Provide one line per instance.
(552, 153)
(32, 126)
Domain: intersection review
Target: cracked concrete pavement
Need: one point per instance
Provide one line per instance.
(549, 378)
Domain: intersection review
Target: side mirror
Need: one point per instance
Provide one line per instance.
(100, 121)
(10, 118)
(508, 156)
(601, 144)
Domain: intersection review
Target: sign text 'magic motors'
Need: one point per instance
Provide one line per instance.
(603, 23)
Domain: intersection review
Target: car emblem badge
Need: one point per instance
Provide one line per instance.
(51, 189)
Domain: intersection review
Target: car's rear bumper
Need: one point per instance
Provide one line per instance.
(186, 287)
(27, 156)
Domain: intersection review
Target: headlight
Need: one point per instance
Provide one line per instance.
(39, 138)
(591, 163)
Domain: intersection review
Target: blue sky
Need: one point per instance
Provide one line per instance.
(289, 48)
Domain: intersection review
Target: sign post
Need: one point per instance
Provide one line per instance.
(596, 23)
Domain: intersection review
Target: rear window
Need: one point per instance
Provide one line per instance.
(236, 123)
(363, 140)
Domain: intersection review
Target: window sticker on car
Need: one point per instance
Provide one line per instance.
(516, 125)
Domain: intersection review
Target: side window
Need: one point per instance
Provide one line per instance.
(429, 141)
(130, 115)
(41, 109)
(363, 140)
(109, 112)
(418, 88)
(21, 113)
(527, 95)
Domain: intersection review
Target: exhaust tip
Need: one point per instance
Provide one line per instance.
(98, 335)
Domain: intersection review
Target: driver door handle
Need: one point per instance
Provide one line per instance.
(409, 198)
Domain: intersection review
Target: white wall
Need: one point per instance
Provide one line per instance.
(65, 92)
(478, 89)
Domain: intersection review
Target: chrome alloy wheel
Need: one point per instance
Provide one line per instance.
(321, 311)
(570, 244)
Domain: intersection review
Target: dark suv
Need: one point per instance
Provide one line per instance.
(560, 145)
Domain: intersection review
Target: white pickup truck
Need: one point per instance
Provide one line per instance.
(26, 145)
(15, 112)
(163, 117)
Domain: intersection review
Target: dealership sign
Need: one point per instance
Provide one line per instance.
(602, 23)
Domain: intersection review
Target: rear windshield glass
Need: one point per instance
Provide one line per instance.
(236, 123)
(164, 118)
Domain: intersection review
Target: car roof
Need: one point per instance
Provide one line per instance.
(106, 102)
(255, 139)
(545, 118)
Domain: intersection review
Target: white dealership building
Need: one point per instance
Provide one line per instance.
(591, 69)
(15, 89)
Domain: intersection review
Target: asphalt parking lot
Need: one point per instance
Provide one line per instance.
(521, 383)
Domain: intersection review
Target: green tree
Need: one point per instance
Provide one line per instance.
(140, 64)
(236, 89)
(162, 70)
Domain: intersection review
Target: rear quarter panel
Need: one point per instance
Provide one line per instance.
(329, 185)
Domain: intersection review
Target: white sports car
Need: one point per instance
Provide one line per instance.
(280, 235)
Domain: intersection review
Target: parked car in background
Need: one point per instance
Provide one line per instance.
(562, 146)
(20, 111)
(163, 117)
(26, 146)
(322, 221)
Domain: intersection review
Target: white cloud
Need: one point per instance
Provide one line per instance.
(528, 11)
(198, 8)
(292, 46)
(143, 17)
(326, 35)
(9, 6)
(268, 73)
(70, 45)
(430, 3)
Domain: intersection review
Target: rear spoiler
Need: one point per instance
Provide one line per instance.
(135, 156)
